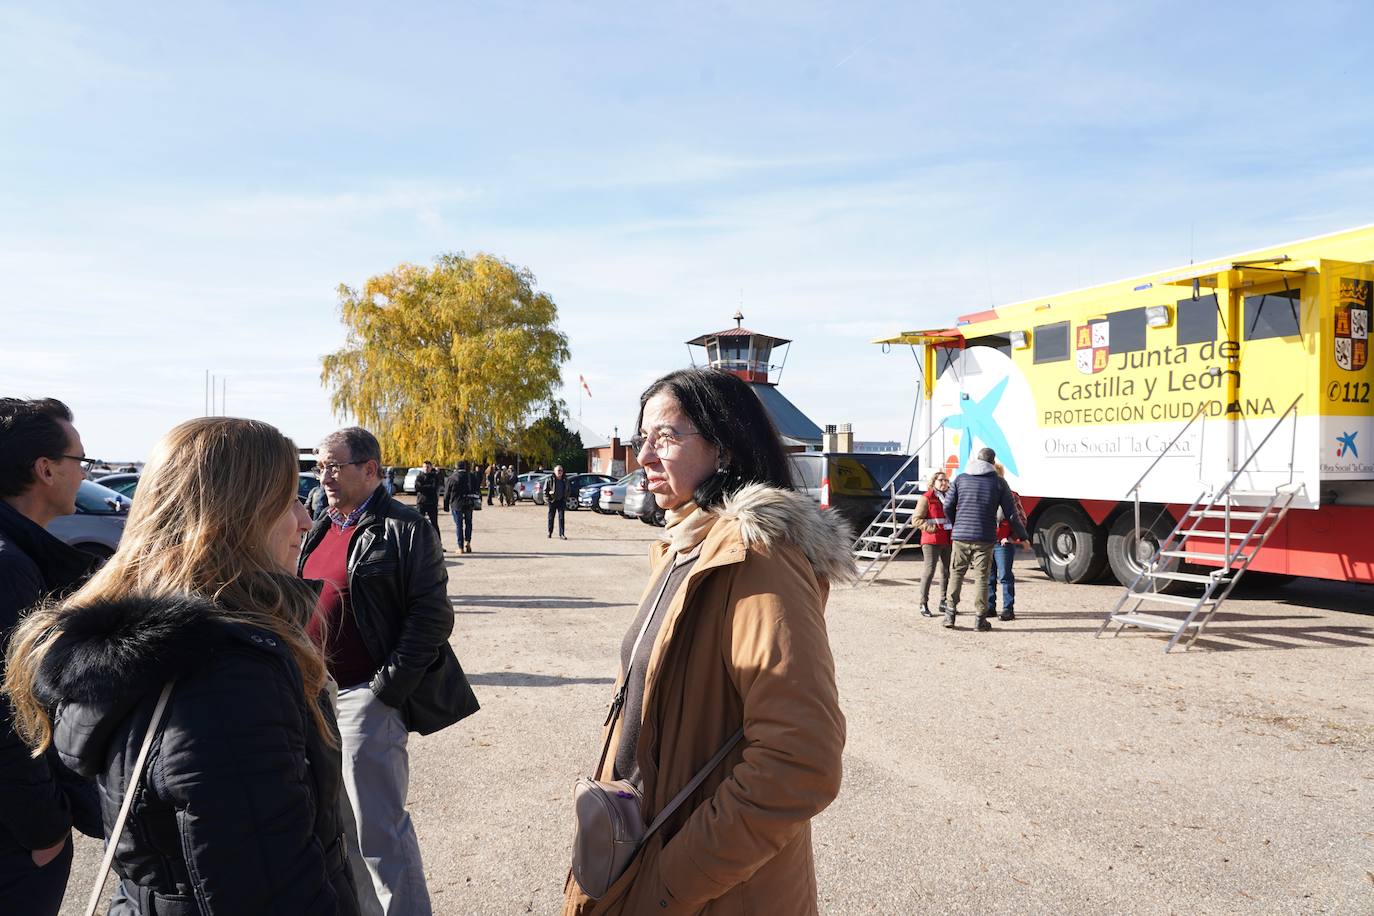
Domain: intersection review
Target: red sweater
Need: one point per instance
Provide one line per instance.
(349, 661)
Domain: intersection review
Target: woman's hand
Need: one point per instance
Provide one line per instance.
(45, 855)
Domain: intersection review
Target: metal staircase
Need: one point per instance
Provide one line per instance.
(888, 534)
(1225, 527)
(891, 530)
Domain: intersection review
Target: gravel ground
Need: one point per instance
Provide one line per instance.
(1032, 769)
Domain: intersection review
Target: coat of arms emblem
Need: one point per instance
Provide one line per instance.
(1091, 346)
(1352, 324)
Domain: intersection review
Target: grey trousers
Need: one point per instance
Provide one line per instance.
(972, 557)
(935, 554)
(376, 773)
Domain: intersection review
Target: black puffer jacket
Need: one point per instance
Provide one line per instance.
(398, 592)
(238, 809)
(40, 800)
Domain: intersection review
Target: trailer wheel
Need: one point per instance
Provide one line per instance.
(1071, 547)
(1129, 549)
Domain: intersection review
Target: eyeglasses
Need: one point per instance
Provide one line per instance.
(324, 470)
(86, 463)
(664, 441)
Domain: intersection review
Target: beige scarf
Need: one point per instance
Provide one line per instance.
(687, 527)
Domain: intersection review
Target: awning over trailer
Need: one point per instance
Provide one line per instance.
(948, 335)
(1263, 269)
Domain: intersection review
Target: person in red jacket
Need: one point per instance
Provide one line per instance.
(935, 538)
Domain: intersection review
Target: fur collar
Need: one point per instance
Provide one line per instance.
(769, 515)
(112, 649)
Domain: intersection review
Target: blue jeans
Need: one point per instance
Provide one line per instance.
(999, 570)
(462, 520)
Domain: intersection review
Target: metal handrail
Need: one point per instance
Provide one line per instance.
(1201, 413)
(914, 454)
(1256, 450)
(1135, 488)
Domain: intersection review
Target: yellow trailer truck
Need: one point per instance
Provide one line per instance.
(1172, 381)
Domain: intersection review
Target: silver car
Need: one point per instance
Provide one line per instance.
(640, 503)
(612, 499)
(98, 522)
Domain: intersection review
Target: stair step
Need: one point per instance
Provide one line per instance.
(874, 554)
(1153, 622)
(891, 525)
(907, 497)
(1180, 600)
(880, 539)
(1222, 513)
(1204, 533)
(1200, 555)
(1186, 577)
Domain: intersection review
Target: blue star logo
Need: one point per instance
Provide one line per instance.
(977, 423)
(1347, 444)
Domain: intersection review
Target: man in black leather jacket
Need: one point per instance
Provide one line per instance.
(41, 467)
(385, 616)
(427, 485)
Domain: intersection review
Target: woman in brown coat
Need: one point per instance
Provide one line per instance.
(733, 638)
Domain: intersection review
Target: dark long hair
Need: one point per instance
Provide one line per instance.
(730, 416)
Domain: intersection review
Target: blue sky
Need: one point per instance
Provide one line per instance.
(183, 186)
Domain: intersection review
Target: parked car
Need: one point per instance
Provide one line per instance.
(537, 491)
(524, 484)
(408, 485)
(640, 503)
(304, 484)
(576, 483)
(612, 498)
(851, 483)
(121, 482)
(97, 523)
(589, 496)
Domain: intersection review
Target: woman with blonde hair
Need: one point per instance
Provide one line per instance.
(936, 542)
(237, 808)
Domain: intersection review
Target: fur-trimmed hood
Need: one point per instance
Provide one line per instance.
(770, 515)
(112, 654)
(977, 467)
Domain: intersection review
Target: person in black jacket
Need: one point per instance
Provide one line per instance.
(971, 507)
(556, 495)
(238, 808)
(41, 467)
(385, 615)
(427, 484)
(462, 492)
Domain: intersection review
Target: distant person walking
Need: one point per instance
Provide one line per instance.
(492, 472)
(556, 495)
(389, 481)
(461, 493)
(936, 539)
(508, 486)
(971, 507)
(427, 484)
(1003, 557)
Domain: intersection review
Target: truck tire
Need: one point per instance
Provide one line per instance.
(1128, 550)
(1070, 547)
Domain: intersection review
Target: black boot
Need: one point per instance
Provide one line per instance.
(925, 611)
(949, 617)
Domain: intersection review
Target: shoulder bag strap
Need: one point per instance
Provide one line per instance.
(129, 791)
(691, 787)
(618, 704)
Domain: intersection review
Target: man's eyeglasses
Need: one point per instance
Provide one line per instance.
(86, 463)
(663, 440)
(324, 470)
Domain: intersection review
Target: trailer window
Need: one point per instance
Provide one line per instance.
(945, 357)
(1272, 315)
(1196, 319)
(995, 341)
(1126, 330)
(1051, 342)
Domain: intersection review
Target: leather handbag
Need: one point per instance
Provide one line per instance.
(129, 791)
(610, 828)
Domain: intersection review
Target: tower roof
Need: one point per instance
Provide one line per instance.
(737, 332)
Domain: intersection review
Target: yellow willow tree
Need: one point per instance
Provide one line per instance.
(448, 362)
